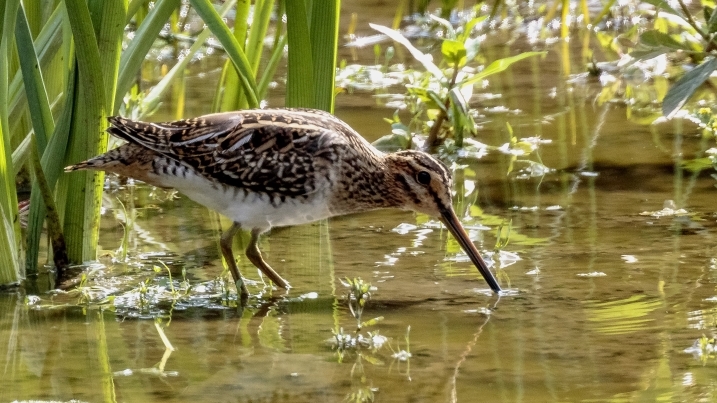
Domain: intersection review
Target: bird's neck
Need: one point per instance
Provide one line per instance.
(369, 188)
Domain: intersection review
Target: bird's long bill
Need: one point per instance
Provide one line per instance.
(451, 221)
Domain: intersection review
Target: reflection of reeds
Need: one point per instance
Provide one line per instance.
(467, 352)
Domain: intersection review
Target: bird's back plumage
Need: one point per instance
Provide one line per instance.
(260, 150)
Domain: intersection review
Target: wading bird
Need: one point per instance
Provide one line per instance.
(279, 167)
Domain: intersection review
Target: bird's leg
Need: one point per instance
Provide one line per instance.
(254, 255)
(226, 245)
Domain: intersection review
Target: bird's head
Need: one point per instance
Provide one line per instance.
(424, 184)
(421, 182)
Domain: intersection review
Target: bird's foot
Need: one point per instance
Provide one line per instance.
(242, 290)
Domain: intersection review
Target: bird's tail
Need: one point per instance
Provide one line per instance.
(101, 162)
(148, 135)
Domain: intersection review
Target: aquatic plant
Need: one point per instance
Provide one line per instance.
(358, 295)
(442, 93)
(680, 31)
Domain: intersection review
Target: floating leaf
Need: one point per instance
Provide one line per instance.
(697, 164)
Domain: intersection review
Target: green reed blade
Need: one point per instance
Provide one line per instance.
(9, 260)
(257, 32)
(40, 114)
(210, 17)
(83, 189)
(52, 162)
(324, 43)
(151, 100)
(276, 53)
(46, 46)
(10, 245)
(300, 71)
(110, 32)
(132, 9)
(54, 228)
(229, 94)
(137, 50)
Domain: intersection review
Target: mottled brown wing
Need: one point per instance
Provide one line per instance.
(269, 159)
(245, 150)
(166, 136)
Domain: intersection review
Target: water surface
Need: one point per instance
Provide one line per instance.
(607, 289)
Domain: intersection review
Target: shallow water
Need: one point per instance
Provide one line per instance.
(605, 294)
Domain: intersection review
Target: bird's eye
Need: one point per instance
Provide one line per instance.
(423, 177)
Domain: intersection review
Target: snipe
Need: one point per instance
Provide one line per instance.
(279, 167)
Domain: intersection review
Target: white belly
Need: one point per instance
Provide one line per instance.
(251, 210)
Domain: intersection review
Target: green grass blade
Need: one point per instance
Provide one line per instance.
(54, 229)
(605, 11)
(151, 100)
(300, 72)
(9, 259)
(324, 42)
(88, 121)
(132, 9)
(52, 162)
(19, 154)
(32, 11)
(109, 43)
(257, 32)
(88, 54)
(229, 95)
(40, 114)
(218, 101)
(46, 45)
(9, 224)
(276, 53)
(209, 15)
(144, 37)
